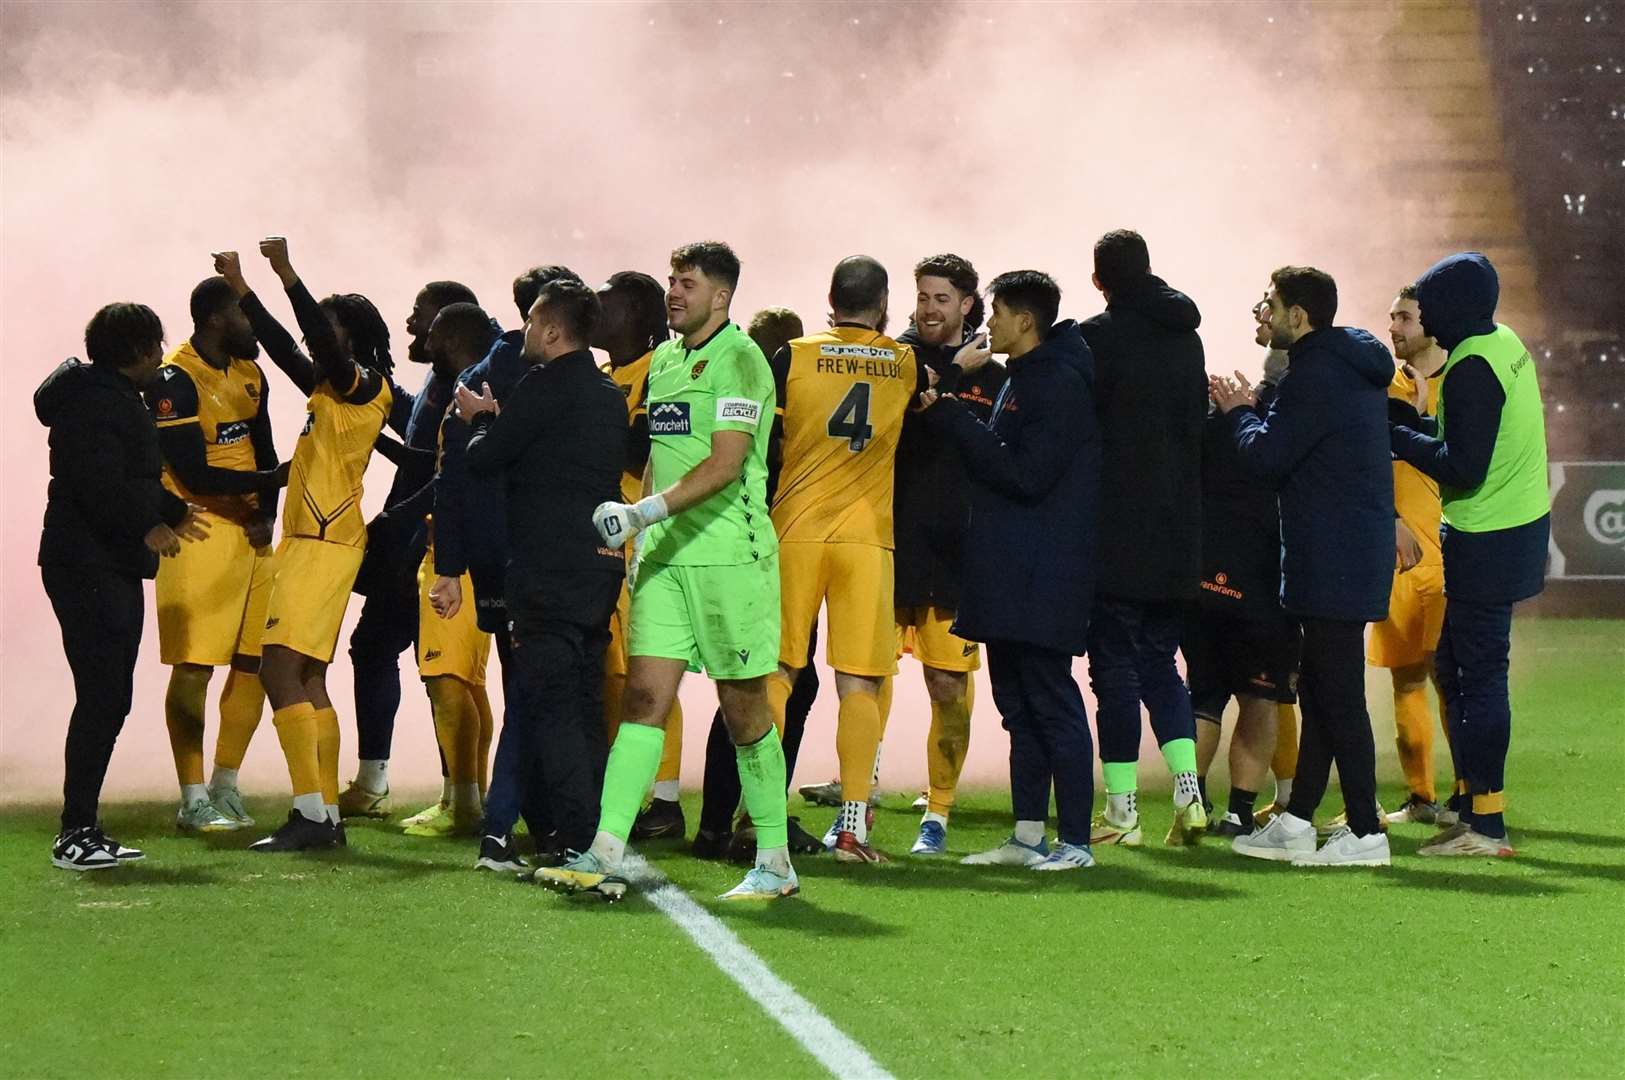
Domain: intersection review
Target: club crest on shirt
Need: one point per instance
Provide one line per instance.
(670, 418)
(697, 370)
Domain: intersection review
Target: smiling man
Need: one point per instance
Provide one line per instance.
(706, 574)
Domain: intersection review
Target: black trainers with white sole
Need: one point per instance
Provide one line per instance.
(298, 833)
(500, 854)
(85, 848)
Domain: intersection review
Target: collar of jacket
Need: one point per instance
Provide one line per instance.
(1303, 344)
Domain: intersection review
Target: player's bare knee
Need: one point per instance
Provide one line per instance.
(1408, 680)
(744, 709)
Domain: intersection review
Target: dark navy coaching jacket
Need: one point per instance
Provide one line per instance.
(1029, 568)
(1324, 443)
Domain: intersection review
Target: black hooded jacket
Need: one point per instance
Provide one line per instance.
(1151, 397)
(931, 506)
(105, 493)
(1034, 469)
(1324, 442)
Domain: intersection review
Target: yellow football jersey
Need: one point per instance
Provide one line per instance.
(224, 403)
(842, 395)
(324, 487)
(1416, 495)
(633, 379)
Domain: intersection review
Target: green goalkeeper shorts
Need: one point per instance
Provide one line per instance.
(723, 620)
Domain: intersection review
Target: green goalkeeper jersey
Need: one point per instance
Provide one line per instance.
(723, 384)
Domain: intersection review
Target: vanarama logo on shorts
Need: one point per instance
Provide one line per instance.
(670, 418)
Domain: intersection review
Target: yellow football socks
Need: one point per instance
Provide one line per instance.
(183, 715)
(1413, 736)
(327, 753)
(242, 702)
(945, 750)
(296, 731)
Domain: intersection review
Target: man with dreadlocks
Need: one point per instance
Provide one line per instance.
(346, 380)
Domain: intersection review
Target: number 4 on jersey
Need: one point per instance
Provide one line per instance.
(850, 420)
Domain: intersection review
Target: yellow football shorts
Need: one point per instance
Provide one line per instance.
(853, 582)
(927, 632)
(1415, 618)
(455, 646)
(211, 597)
(310, 588)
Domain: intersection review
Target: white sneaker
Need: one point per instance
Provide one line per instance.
(1066, 857)
(1346, 849)
(1465, 840)
(1010, 853)
(1285, 838)
(229, 801)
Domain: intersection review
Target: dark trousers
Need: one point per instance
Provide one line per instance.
(1131, 660)
(560, 630)
(1471, 664)
(388, 626)
(1042, 709)
(101, 613)
(722, 790)
(1336, 725)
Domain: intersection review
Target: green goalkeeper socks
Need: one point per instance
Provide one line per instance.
(1180, 754)
(633, 762)
(1120, 776)
(761, 776)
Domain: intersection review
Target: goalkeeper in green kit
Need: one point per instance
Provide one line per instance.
(705, 576)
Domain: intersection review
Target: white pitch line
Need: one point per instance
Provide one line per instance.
(833, 1048)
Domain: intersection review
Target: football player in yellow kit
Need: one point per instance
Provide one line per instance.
(842, 394)
(210, 405)
(1404, 642)
(346, 380)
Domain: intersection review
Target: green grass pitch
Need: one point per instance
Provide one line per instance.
(395, 959)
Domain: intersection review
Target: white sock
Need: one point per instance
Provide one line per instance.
(1186, 789)
(311, 806)
(374, 775)
(854, 819)
(445, 791)
(332, 810)
(1123, 808)
(1283, 790)
(874, 777)
(940, 819)
(609, 849)
(668, 790)
(1030, 833)
(465, 796)
(224, 779)
(194, 793)
(776, 859)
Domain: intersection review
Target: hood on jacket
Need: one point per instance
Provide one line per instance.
(65, 388)
(1357, 349)
(1156, 300)
(1457, 296)
(1063, 342)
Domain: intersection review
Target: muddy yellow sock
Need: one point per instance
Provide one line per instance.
(945, 750)
(778, 699)
(857, 739)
